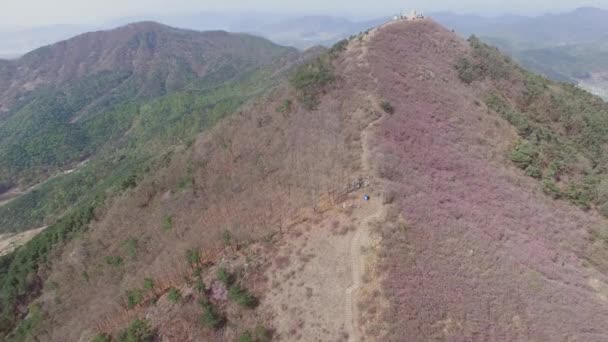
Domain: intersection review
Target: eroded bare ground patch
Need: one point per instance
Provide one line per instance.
(309, 275)
(8, 242)
(303, 307)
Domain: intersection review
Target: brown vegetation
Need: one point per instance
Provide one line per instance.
(258, 173)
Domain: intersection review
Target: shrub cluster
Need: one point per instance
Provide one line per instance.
(259, 334)
(486, 61)
(174, 295)
(224, 276)
(210, 316)
(131, 245)
(114, 260)
(167, 223)
(241, 296)
(193, 257)
(310, 79)
(337, 48)
(101, 337)
(285, 107)
(134, 297)
(387, 107)
(137, 331)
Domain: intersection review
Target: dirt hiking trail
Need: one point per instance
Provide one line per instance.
(361, 240)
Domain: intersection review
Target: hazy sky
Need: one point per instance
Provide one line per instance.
(26, 13)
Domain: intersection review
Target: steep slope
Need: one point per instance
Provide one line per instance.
(97, 72)
(484, 253)
(478, 221)
(131, 91)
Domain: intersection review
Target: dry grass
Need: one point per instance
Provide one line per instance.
(251, 180)
(307, 298)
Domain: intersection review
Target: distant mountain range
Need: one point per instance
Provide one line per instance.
(143, 50)
(583, 25)
(566, 46)
(298, 31)
(405, 184)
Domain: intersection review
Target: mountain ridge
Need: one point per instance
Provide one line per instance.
(129, 48)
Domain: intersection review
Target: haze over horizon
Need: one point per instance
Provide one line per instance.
(19, 14)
